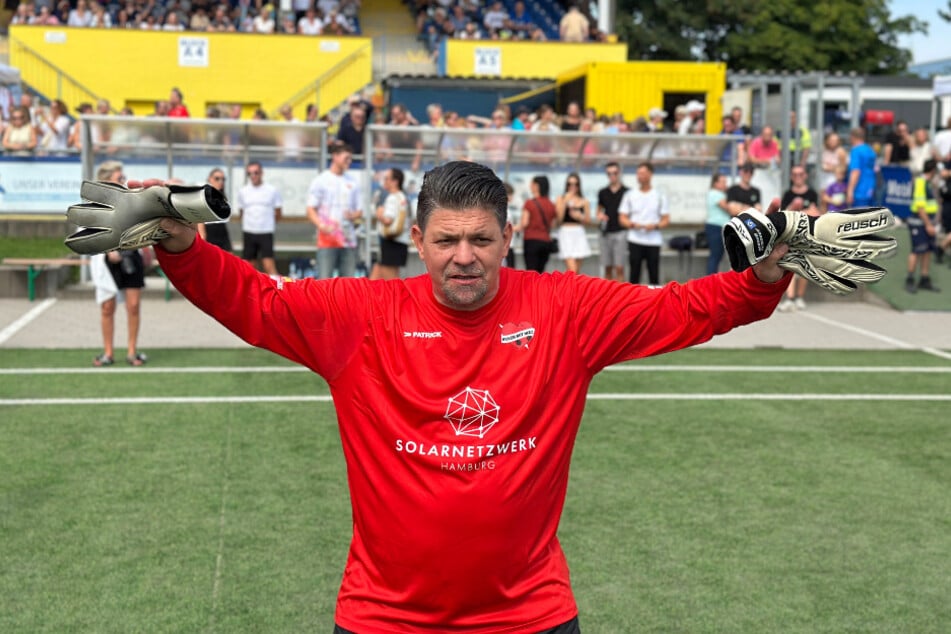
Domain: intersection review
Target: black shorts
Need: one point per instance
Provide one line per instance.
(128, 272)
(393, 253)
(571, 627)
(257, 245)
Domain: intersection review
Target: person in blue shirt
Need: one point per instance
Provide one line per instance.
(862, 171)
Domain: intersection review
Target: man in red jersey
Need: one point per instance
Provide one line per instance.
(458, 465)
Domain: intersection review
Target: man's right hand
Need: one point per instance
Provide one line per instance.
(181, 236)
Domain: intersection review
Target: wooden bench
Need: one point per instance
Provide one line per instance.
(35, 266)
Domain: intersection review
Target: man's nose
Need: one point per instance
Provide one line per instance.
(464, 253)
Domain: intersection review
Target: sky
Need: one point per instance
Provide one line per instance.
(925, 48)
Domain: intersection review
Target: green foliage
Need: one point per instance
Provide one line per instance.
(33, 248)
(792, 35)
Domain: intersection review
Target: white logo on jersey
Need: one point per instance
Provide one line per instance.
(472, 412)
(422, 335)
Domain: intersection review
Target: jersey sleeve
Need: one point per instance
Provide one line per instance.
(618, 322)
(317, 323)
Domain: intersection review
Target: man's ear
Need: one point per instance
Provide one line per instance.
(417, 236)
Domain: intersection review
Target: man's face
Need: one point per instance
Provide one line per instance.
(341, 161)
(767, 134)
(255, 174)
(614, 174)
(643, 176)
(463, 252)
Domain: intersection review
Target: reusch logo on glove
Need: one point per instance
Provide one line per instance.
(868, 223)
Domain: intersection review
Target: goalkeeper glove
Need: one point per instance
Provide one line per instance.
(115, 217)
(833, 250)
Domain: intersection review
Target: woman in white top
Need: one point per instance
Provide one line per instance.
(80, 16)
(19, 137)
(574, 214)
(833, 155)
(55, 125)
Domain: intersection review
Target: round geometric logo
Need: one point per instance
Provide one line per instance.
(472, 412)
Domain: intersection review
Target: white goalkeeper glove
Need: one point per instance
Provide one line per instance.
(115, 217)
(833, 250)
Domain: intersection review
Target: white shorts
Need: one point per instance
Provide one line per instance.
(573, 242)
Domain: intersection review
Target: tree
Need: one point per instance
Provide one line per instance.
(791, 35)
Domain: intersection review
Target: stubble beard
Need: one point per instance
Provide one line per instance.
(464, 297)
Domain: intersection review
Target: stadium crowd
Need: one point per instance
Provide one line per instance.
(307, 17)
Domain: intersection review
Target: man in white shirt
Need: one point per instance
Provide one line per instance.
(942, 142)
(333, 205)
(643, 212)
(260, 207)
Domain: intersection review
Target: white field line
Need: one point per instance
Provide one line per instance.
(219, 559)
(687, 396)
(25, 319)
(876, 335)
(614, 368)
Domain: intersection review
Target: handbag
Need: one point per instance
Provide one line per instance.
(553, 243)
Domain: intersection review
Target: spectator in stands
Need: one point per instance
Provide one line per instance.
(495, 18)
(334, 207)
(81, 16)
(337, 24)
(572, 119)
(536, 34)
(54, 126)
(75, 141)
(680, 113)
(62, 11)
(117, 276)
(523, 119)
(737, 113)
(19, 137)
(176, 105)
(656, 117)
(545, 122)
(694, 113)
(730, 130)
(800, 144)
(199, 20)
(221, 22)
(521, 21)
(172, 22)
(100, 19)
(833, 196)
(764, 150)
(458, 18)
(399, 115)
(574, 26)
(352, 130)
(470, 32)
(263, 22)
(216, 232)
(23, 14)
(45, 17)
(310, 24)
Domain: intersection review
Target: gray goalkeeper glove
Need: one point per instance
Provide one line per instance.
(115, 217)
(833, 250)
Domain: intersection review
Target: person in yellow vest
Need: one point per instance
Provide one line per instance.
(921, 224)
(801, 140)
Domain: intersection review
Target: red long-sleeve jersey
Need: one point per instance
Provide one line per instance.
(458, 426)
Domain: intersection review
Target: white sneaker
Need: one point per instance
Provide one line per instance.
(800, 303)
(786, 305)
